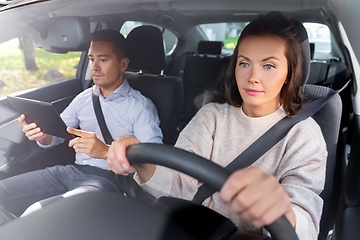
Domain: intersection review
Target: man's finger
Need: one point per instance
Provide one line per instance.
(78, 132)
(22, 119)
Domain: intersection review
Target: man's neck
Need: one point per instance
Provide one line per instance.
(107, 90)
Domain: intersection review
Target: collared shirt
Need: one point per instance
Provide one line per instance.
(126, 112)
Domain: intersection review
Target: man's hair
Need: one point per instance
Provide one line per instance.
(272, 24)
(115, 38)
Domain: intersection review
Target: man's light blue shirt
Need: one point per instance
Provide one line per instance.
(126, 112)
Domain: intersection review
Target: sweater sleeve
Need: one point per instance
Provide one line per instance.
(196, 137)
(302, 174)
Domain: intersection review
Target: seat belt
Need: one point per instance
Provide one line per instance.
(126, 183)
(265, 142)
(101, 120)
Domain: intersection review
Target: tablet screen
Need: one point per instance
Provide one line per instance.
(43, 114)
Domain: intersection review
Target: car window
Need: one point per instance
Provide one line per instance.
(170, 39)
(24, 66)
(319, 34)
(228, 33)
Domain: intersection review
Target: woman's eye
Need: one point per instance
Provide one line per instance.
(243, 64)
(103, 60)
(268, 66)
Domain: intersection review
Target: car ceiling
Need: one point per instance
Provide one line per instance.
(178, 15)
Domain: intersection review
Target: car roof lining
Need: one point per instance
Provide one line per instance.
(241, 10)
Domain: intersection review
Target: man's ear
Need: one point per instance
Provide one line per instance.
(124, 63)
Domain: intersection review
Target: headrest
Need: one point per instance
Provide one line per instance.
(210, 47)
(312, 50)
(304, 47)
(146, 49)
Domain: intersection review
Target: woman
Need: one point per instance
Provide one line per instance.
(260, 87)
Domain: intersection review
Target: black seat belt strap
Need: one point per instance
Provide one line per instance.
(101, 120)
(126, 183)
(268, 140)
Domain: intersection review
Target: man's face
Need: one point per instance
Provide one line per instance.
(107, 69)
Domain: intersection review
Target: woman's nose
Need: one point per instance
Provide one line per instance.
(255, 75)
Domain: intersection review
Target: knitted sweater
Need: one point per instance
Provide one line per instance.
(220, 132)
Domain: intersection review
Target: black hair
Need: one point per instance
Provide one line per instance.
(115, 38)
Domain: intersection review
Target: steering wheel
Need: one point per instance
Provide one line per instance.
(202, 169)
(106, 215)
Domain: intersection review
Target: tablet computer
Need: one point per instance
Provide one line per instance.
(43, 114)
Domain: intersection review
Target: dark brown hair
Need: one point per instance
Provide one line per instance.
(115, 38)
(272, 24)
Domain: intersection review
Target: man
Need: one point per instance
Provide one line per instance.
(126, 112)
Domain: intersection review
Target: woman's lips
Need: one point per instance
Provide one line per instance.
(252, 91)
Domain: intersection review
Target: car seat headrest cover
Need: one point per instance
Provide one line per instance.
(146, 49)
(304, 47)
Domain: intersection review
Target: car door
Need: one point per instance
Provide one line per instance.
(56, 78)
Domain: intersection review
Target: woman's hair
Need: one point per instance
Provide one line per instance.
(115, 38)
(272, 24)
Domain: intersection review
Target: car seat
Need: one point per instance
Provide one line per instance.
(348, 215)
(200, 71)
(147, 57)
(328, 118)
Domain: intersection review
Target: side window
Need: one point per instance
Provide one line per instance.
(170, 39)
(24, 66)
(228, 33)
(319, 34)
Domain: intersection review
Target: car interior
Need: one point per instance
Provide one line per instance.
(178, 77)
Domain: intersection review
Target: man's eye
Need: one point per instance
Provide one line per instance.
(103, 60)
(91, 59)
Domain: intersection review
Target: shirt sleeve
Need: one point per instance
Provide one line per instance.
(54, 142)
(70, 114)
(146, 125)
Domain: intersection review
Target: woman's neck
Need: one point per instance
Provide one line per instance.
(259, 111)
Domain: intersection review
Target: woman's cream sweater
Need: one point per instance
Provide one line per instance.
(220, 132)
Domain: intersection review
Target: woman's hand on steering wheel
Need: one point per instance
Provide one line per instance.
(257, 197)
(117, 160)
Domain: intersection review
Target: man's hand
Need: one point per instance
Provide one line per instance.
(34, 133)
(257, 197)
(88, 143)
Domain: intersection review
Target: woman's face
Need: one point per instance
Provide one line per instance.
(260, 72)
